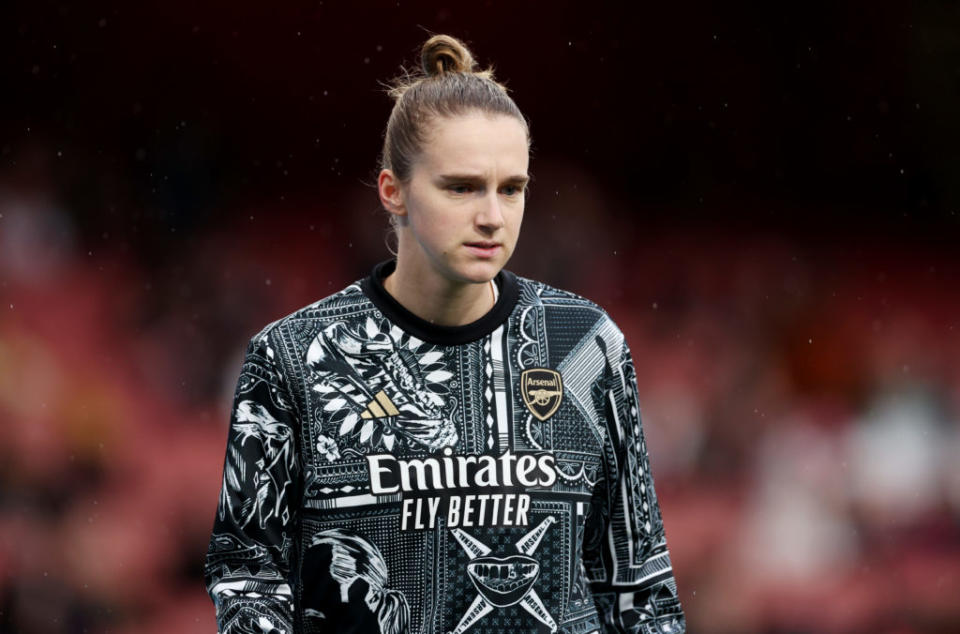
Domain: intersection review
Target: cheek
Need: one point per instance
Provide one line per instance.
(517, 217)
(437, 224)
(433, 228)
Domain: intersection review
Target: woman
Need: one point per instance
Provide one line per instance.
(442, 446)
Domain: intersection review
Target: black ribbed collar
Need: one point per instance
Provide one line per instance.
(372, 287)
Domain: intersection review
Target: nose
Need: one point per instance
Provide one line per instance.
(490, 215)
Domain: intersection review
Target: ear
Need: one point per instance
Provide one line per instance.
(391, 193)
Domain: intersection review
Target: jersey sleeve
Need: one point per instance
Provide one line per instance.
(249, 556)
(625, 554)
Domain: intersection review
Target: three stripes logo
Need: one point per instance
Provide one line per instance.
(380, 407)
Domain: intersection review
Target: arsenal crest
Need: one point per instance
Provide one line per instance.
(542, 391)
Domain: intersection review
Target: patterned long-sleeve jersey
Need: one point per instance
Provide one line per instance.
(385, 474)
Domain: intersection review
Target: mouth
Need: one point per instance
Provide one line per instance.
(503, 581)
(483, 248)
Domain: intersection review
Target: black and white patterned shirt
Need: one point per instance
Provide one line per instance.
(384, 474)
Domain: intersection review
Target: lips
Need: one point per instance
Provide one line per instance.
(503, 581)
(483, 249)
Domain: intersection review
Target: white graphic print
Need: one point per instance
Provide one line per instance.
(504, 581)
(356, 558)
(238, 590)
(327, 447)
(380, 386)
(252, 623)
(270, 479)
(410, 452)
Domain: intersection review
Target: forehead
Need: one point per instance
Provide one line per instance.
(476, 142)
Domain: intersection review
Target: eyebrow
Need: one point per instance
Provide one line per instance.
(519, 179)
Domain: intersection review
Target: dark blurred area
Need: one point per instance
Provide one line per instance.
(764, 196)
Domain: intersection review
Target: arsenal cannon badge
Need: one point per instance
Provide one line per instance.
(542, 391)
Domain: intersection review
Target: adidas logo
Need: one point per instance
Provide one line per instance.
(380, 407)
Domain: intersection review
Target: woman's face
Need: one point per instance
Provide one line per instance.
(464, 201)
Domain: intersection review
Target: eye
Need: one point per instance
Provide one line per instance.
(461, 188)
(512, 190)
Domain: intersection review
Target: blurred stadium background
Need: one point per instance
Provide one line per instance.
(764, 196)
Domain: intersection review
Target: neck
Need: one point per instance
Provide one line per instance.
(439, 300)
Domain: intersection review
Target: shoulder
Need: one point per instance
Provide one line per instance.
(302, 324)
(535, 292)
(573, 314)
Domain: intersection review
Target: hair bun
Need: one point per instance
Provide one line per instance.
(445, 54)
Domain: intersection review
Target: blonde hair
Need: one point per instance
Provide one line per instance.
(447, 84)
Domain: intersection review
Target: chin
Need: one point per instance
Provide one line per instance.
(478, 272)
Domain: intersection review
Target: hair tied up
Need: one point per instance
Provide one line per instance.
(449, 83)
(444, 54)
